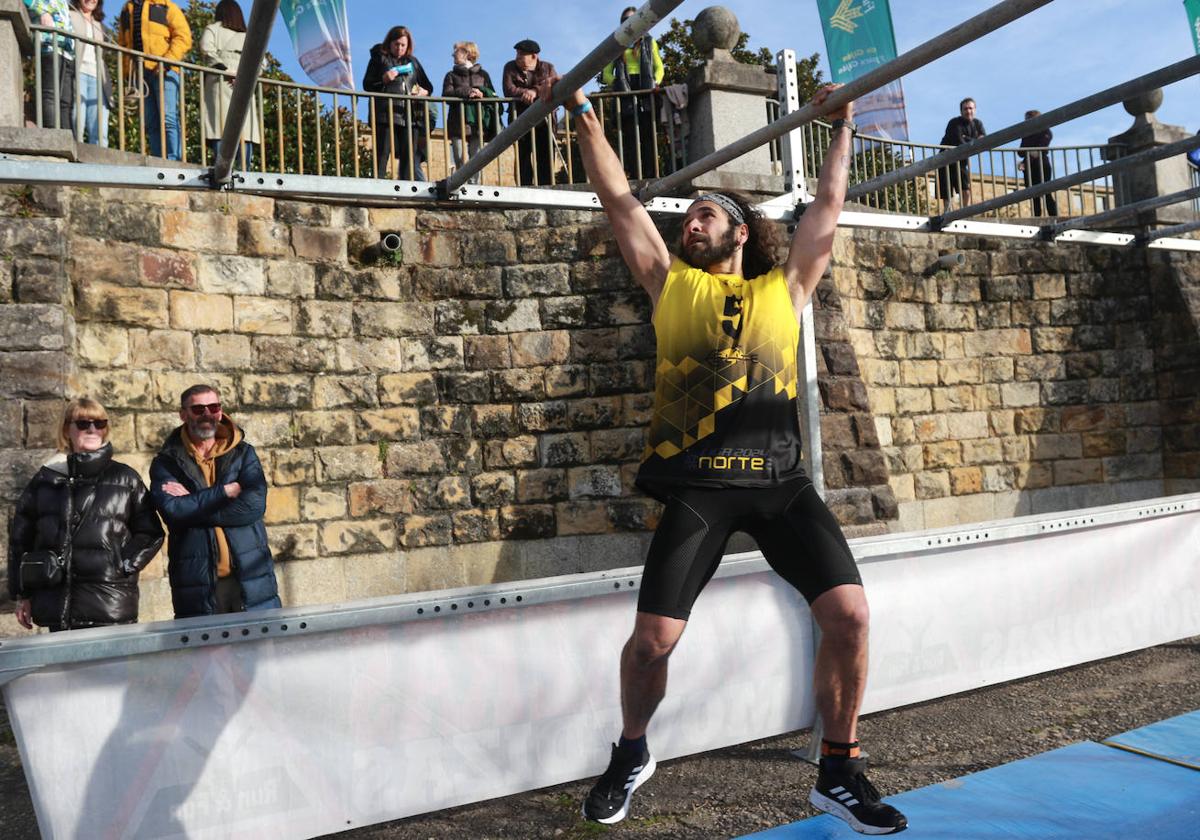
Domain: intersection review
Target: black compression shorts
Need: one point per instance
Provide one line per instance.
(794, 530)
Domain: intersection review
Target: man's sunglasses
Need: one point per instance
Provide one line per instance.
(84, 425)
(198, 409)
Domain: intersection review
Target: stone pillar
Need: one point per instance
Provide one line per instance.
(727, 101)
(1148, 180)
(16, 42)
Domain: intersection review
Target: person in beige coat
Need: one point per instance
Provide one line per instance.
(94, 96)
(221, 45)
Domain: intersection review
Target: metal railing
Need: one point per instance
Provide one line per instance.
(307, 129)
(986, 175)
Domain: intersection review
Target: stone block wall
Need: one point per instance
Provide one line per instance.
(473, 409)
(1033, 378)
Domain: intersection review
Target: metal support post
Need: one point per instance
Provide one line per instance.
(258, 32)
(604, 54)
(1150, 155)
(970, 30)
(1086, 105)
(791, 144)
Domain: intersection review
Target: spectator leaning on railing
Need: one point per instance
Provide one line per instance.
(157, 28)
(394, 69)
(521, 79)
(95, 88)
(473, 123)
(1035, 163)
(639, 68)
(221, 44)
(57, 56)
(956, 177)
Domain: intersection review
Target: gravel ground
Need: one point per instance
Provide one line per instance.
(735, 791)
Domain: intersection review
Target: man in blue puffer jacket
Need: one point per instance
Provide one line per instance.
(208, 484)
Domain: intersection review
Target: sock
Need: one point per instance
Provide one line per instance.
(637, 745)
(837, 750)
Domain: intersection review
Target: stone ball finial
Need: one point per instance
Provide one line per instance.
(715, 28)
(1143, 105)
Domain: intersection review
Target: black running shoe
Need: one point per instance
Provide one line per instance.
(608, 801)
(845, 792)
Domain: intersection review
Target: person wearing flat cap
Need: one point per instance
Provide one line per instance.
(522, 76)
(727, 313)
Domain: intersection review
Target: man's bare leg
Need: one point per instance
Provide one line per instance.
(840, 675)
(643, 686)
(644, 669)
(840, 672)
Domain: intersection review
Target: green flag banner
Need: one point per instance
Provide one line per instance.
(321, 37)
(1192, 7)
(858, 38)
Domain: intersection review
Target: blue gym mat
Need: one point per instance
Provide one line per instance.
(1175, 739)
(1085, 790)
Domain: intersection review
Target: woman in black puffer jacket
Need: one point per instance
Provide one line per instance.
(394, 69)
(96, 514)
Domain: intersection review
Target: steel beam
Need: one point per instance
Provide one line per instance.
(383, 192)
(604, 54)
(258, 32)
(1148, 156)
(970, 30)
(1116, 213)
(1173, 230)
(1086, 105)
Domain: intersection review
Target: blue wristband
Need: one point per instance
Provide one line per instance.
(580, 110)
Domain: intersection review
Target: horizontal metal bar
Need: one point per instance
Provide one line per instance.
(1148, 156)
(1078, 108)
(327, 187)
(970, 30)
(866, 548)
(1123, 211)
(1095, 237)
(20, 655)
(1171, 244)
(1000, 229)
(607, 51)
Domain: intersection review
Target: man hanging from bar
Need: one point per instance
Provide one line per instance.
(723, 455)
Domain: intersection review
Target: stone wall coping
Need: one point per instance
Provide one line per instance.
(18, 19)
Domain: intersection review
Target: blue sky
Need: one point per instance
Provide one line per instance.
(1057, 54)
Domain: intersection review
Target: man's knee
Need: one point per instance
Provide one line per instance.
(653, 640)
(645, 652)
(843, 613)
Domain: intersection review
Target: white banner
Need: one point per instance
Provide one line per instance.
(288, 737)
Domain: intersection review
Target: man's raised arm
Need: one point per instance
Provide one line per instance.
(640, 242)
(812, 243)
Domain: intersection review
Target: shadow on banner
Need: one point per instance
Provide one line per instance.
(321, 38)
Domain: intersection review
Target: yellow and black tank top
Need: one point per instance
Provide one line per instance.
(725, 383)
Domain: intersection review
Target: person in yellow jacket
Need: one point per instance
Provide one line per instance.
(157, 28)
(639, 68)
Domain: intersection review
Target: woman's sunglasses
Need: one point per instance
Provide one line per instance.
(84, 425)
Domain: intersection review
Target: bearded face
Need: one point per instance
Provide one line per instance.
(701, 251)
